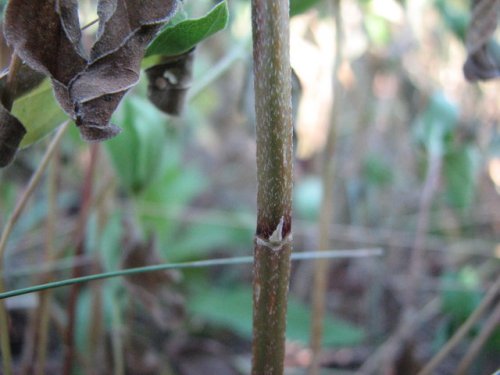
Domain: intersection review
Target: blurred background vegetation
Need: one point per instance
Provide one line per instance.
(179, 189)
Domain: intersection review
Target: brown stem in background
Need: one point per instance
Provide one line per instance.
(417, 259)
(490, 296)
(490, 325)
(45, 297)
(7, 230)
(327, 206)
(417, 253)
(272, 75)
(86, 203)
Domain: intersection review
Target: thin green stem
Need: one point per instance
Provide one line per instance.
(337, 254)
(14, 217)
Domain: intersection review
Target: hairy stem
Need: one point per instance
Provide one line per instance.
(272, 75)
(326, 214)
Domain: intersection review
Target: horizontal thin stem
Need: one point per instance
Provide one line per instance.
(196, 264)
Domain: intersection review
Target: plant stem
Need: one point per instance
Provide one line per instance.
(490, 325)
(492, 293)
(80, 249)
(327, 206)
(45, 297)
(272, 82)
(14, 217)
(307, 255)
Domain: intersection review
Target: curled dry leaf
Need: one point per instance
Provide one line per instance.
(155, 290)
(169, 82)
(46, 35)
(483, 59)
(11, 134)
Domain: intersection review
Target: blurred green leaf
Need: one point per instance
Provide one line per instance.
(460, 171)
(232, 309)
(200, 239)
(376, 171)
(137, 154)
(378, 29)
(460, 294)
(179, 38)
(39, 112)
(455, 17)
(435, 125)
(307, 198)
(168, 196)
(300, 6)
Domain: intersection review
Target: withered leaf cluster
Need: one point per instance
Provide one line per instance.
(169, 82)
(46, 35)
(483, 52)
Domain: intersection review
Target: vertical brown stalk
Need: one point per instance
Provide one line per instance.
(272, 72)
(43, 321)
(77, 271)
(327, 206)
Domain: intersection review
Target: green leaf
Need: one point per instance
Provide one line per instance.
(378, 29)
(232, 309)
(39, 113)
(455, 17)
(307, 198)
(435, 125)
(300, 6)
(460, 295)
(177, 187)
(179, 38)
(199, 240)
(460, 173)
(137, 154)
(376, 171)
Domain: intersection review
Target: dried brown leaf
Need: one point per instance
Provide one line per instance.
(47, 36)
(169, 82)
(483, 63)
(35, 30)
(153, 289)
(26, 80)
(11, 134)
(121, 19)
(99, 89)
(5, 51)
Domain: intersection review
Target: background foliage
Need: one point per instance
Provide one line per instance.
(178, 189)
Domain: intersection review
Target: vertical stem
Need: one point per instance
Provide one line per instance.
(45, 297)
(327, 206)
(490, 325)
(418, 251)
(7, 230)
(272, 72)
(80, 247)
